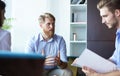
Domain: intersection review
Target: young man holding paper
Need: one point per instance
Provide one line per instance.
(110, 13)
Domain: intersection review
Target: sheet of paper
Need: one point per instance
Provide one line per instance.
(94, 61)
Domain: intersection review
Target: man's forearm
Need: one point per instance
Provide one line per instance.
(62, 64)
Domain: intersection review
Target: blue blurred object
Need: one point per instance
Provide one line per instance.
(8, 54)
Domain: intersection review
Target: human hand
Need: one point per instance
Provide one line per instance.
(50, 61)
(57, 58)
(89, 72)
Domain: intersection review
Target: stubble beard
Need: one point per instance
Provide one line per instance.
(48, 34)
(114, 24)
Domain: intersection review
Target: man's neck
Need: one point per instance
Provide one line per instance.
(45, 37)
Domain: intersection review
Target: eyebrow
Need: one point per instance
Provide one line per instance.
(104, 15)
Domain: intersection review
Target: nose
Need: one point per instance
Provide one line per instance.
(51, 25)
(103, 20)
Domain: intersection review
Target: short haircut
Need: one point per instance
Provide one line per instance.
(112, 5)
(45, 15)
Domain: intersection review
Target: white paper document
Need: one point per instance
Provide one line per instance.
(94, 61)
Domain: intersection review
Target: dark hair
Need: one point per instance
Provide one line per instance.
(2, 7)
(112, 5)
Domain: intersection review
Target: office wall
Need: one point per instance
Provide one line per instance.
(26, 13)
(100, 39)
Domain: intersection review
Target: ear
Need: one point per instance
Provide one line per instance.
(40, 24)
(117, 12)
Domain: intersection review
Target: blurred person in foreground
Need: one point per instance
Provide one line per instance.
(5, 36)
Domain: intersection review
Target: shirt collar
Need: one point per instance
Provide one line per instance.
(42, 39)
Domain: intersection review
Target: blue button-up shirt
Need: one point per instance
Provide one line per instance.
(50, 47)
(116, 55)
